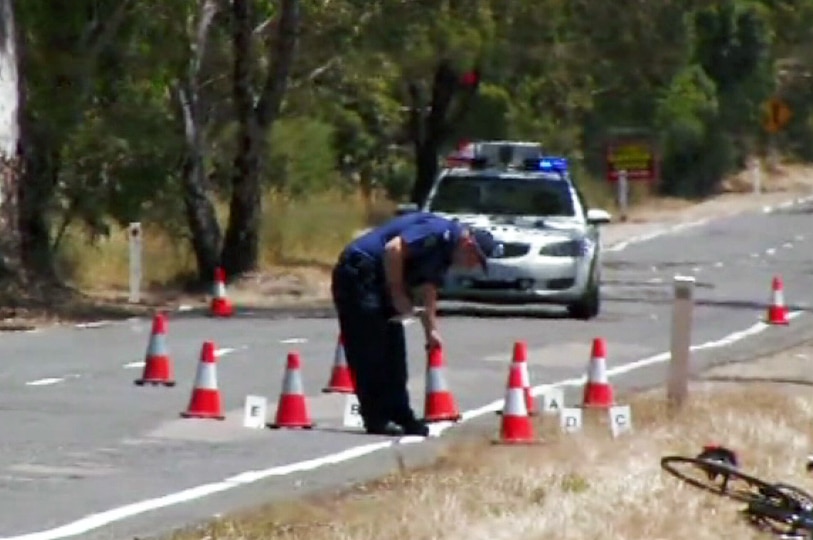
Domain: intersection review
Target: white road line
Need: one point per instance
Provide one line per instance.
(95, 521)
(45, 382)
(228, 350)
(218, 353)
(136, 364)
(101, 519)
(293, 340)
(94, 324)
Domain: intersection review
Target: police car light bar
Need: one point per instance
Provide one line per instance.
(547, 164)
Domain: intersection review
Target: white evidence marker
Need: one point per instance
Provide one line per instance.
(352, 413)
(255, 412)
(620, 419)
(553, 400)
(571, 419)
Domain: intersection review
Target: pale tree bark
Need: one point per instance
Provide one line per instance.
(200, 212)
(256, 117)
(10, 103)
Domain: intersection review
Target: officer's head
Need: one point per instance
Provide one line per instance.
(474, 248)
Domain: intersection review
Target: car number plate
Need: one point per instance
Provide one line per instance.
(499, 273)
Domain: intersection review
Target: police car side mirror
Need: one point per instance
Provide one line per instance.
(596, 216)
(406, 208)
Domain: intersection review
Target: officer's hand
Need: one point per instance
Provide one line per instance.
(433, 340)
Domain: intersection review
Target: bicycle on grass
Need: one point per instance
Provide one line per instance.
(781, 509)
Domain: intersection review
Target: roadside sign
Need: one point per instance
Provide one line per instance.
(777, 115)
(635, 158)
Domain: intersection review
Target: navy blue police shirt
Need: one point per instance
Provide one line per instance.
(429, 240)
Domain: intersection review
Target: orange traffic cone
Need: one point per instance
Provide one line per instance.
(205, 401)
(597, 391)
(158, 365)
(341, 379)
(777, 311)
(220, 306)
(520, 357)
(439, 403)
(516, 426)
(292, 409)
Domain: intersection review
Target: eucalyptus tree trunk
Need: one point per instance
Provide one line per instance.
(10, 170)
(200, 212)
(255, 116)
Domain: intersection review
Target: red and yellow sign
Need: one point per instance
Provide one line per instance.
(634, 157)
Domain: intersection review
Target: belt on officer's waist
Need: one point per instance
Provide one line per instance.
(360, 269)
(356, 259)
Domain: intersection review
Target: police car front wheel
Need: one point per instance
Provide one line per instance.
(588, 306)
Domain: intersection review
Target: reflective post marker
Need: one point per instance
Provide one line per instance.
(623, 194)
(678, 382)
(756, 172)
(134, 234)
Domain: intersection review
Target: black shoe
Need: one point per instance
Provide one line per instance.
(416, 427)
(389, 429)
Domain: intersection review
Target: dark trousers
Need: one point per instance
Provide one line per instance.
(375, 348)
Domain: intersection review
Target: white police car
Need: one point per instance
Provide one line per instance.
(551, 246)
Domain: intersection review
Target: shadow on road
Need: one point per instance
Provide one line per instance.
(328, 312)
(501, 312)
(265, 313)
(733, 304)
(736, 379)
(476, 311)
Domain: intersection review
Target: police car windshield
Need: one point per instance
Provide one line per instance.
(501, 195)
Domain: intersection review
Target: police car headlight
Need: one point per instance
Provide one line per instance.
(571, 248)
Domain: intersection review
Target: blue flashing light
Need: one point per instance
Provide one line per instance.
(547, 164)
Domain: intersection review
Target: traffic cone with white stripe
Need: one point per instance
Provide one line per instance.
(516, 426)
(598, 393)
(205, 401)
(341, 379)
(520, 357)
(777, 311)
(439, 403)
(292, 408)
(220, 306)
(158, 365)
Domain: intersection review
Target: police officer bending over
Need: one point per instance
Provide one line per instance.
(371, 285)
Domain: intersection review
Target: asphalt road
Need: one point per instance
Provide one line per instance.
(85, 453)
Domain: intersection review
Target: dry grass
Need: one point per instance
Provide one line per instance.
(307, 232)
(579, 486)
(299, 239)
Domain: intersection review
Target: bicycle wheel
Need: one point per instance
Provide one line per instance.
(782, 522)
(723, 479)
(802, 497)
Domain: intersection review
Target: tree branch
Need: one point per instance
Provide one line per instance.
(283, 51)
(99, 32)
(208, 10)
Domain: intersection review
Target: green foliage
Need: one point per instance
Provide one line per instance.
(302, 157)
(566, 73)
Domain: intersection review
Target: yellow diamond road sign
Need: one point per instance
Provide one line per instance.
(778, 115)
